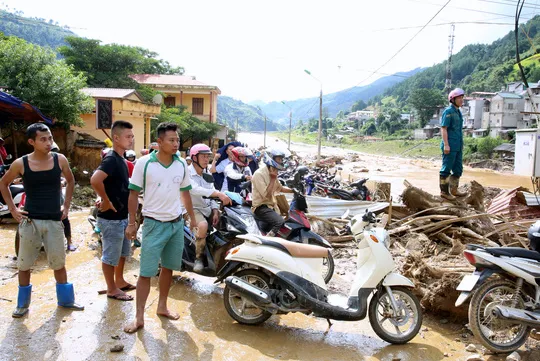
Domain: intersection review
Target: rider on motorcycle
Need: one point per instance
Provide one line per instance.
(238, 171)
(131, 156)
(205, 209)
(265, 185)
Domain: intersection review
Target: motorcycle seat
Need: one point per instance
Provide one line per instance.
(298, 250)
(513, 252)
(16, 189)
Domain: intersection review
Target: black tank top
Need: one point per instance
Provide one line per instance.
(43, 191)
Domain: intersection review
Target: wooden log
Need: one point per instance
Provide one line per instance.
(450, 221)
(439, 208)
(339, 220)
(341, 245)
(469, 233)
(430, 217)
(323, 220)
(443, 237)
(390, 211)
(338, 239)
(399, 230)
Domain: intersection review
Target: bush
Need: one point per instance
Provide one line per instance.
(487, 144)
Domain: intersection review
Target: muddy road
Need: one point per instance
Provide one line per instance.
(420, 172)
(204, 331)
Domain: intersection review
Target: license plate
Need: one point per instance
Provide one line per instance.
(468, 282)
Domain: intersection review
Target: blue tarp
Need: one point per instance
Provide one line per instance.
(12, 108)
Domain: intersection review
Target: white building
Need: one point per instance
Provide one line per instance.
(505, 112)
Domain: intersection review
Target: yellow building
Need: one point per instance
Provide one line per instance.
(199, 98)
(127, 105)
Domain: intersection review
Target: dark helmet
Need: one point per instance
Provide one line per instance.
(534, 236)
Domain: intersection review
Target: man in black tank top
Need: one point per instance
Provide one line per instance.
(41, 221)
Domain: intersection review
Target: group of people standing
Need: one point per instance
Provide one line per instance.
(174, 192)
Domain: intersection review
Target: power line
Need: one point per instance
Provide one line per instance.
(443, 24)
(468, 9)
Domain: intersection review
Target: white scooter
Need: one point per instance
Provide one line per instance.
(503, 309)
(278, 276)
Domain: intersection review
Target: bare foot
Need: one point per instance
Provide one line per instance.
(134, 326)
(170, 315)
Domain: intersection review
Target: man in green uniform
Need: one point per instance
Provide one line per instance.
(452, 146)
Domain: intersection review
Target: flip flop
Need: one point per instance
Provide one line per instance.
(123, 297)
(128, 287)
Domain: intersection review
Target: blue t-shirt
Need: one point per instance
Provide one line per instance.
(453, 121)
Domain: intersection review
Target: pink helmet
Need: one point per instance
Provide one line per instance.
(199, 149)
(455, 93)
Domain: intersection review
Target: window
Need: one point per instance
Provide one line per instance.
(510, 106)
(170, 102)
(198, 106)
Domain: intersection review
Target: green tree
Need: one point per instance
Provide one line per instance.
(359, 105)
(425, 102)
(190, 126)
(369, 128)
(109, 66)
(35, 75)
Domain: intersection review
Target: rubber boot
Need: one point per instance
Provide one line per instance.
(443, 184)
(23, 301)
(454, 187)
(66, 296)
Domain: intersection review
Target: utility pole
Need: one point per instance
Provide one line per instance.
(290, 128)
(320, 128)
(265, 131)
(448, 81)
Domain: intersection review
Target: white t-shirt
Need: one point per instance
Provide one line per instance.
(162, 186)
(220, 168)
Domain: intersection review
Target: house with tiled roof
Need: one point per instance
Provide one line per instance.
(121, 104)
(199, 98)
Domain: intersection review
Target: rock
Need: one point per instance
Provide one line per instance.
(446, 354)
(470, 348)
(396, 359)
(514, 356)
(115, 337)
(444, 321)
(475, 357)
(364, 170)
(464, 335)
(425, 329)
(457, 339)
(117, 348)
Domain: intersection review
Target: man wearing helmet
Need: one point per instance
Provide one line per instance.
(237, 171)
(265, 185)
(452, 146)
(205, 210)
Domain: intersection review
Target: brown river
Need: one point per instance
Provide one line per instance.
(204, 331)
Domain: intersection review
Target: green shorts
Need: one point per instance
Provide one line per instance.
(161, 241)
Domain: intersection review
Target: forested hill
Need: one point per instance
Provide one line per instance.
(480, 67)
(34, 30)
(249, 118)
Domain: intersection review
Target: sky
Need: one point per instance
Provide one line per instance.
(258, 50)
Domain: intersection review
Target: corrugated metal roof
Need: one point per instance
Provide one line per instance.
(110, 93)
(510, 95)
(506, 147)
(512, 204)
(328, 208)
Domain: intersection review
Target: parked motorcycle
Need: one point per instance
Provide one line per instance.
(283, 277)
(296, 227)
(503, 309)
(17, 192)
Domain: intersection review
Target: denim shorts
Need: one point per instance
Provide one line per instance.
(33, 233)
(113, 240)
(161, 240)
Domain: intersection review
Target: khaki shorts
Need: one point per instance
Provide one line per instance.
(33, 233)
(199, 217)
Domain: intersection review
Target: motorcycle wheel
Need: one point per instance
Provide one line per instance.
(328, 268)
(396, 330)
(492, 331)
(239, 308)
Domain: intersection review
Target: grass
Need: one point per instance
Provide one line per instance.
(403, 148)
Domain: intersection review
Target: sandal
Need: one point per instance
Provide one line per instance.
(120, 297)
(128, 287)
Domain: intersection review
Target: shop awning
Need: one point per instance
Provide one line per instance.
(12, 108)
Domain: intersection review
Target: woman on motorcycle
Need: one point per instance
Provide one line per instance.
(238, 171)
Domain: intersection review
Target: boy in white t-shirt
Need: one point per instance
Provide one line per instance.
(166, 182)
